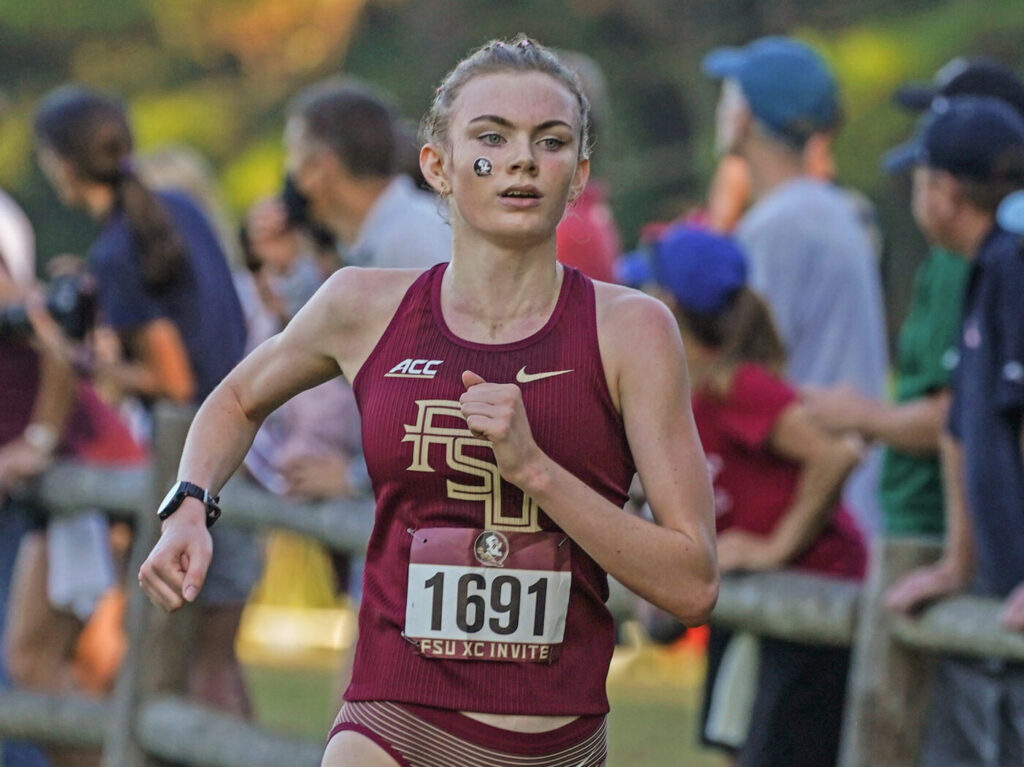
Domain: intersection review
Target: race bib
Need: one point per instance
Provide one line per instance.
(488, 595)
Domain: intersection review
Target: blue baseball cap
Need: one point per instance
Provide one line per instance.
(787, 85)
(975, 137)
(702, 270)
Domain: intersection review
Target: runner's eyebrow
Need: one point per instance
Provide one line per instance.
(508, 124)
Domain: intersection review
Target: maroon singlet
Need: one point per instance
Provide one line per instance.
(435, 484)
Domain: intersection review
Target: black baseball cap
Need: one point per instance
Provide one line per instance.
(975, 137)
(965, 76)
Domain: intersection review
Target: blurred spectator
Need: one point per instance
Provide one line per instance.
(165, 287)
(182, 168)
(968, 155)
(17, 272)
(778, 480)
(17, 242)
(911, 484)
(343, 148)
(810, 255)
(46, 413)
(588, 237)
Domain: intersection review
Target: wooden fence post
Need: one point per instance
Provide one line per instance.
(158, 644)
(889, 689)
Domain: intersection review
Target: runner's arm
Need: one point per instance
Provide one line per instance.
(671, 563)
(332, 333)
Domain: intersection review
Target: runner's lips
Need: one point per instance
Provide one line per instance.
(524, 191)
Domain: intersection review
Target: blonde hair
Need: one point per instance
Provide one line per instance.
(518, 55)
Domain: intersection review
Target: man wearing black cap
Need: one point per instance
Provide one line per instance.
(967, 157)
(810, 255)
(910, 490)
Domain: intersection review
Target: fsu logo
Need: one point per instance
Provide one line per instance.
(491, 548)
(439, 424)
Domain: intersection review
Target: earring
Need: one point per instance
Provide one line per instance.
(482, 166)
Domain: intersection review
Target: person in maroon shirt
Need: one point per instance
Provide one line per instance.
(778, 478)
(506, 402)
(588, 237)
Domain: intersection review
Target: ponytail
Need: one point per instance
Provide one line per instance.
(742, 332)
(161, 254)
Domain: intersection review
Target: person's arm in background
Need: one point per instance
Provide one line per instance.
(1012, 615)
(1009, 393)
(161, 368)
(951, 574)
(32, 453)
(910, 427)
(825, 463)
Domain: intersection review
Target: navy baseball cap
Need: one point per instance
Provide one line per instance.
(702, 270)
(965, 76)
(787, 85)
(975, 137)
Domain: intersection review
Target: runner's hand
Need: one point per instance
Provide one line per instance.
(495, 412)
(175, 569)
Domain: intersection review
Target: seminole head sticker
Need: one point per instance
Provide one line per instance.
(491, 548)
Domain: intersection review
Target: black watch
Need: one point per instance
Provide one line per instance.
(182, 490)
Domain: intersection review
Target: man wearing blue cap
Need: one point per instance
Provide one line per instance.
(968, 155)
(810, 254)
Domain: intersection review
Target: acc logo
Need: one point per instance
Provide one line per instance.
(491, 548)
(411, 368)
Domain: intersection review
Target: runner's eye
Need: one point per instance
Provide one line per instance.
(552, 143)
(492, 139)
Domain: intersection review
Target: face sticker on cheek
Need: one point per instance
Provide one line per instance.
(482, 166)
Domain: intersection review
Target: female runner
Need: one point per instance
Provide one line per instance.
(507, 402)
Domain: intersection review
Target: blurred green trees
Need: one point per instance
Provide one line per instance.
(216, 74)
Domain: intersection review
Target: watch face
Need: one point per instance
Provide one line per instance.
(166, 506)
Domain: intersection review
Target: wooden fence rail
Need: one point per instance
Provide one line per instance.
(147, 722)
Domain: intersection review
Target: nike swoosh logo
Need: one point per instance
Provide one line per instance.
(523, 377)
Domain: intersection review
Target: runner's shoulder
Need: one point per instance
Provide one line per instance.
(357, 295)
(625, 312)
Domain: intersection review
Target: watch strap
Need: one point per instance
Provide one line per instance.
(192, 490)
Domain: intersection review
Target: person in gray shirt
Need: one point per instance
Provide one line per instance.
(342, 146)
(811, 255)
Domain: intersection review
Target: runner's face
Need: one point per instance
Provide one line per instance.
(528, 126)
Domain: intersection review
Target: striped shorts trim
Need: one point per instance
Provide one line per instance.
(414, 742)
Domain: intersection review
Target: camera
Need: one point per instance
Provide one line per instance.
(70, 300)
(296, 206)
